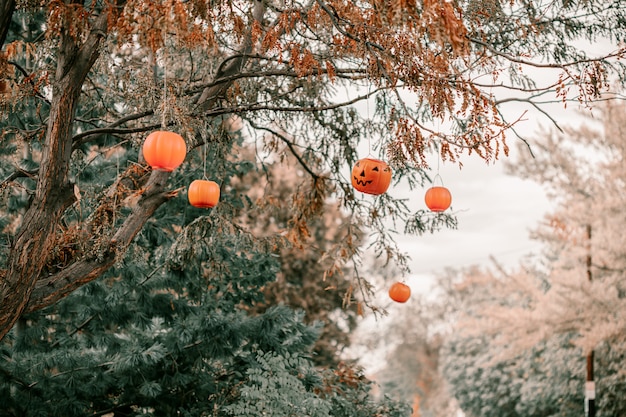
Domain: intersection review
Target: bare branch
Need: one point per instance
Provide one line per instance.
(620, 53)
(289, 144)
(81, 138)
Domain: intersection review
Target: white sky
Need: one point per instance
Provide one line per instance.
(494, 211)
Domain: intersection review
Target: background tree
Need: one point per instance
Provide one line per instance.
(412, 341)
(310, 276)
(529, 330)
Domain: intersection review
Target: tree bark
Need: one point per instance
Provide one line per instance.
(6, 13)
(22, 286)
(49, 290)
(54, 193)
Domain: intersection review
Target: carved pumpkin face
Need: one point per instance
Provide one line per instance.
(399, 292)
(371, 176)
(203, 193)
(438, 199)
(164, 150)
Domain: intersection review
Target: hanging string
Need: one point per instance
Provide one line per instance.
(368, 122)
(163, 115)
(438, 157)
(205, 151)
(438, 145)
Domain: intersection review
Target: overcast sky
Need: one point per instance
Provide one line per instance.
(495, 212)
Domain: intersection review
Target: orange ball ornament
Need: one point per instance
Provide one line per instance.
(203, 193)
(438, 199)
(371, 176)
(164, 150)
(400, 292)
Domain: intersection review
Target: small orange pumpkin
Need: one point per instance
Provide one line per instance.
(203, 193)
(164, 150)
(438, 199)
(371, 176)
(400, 292)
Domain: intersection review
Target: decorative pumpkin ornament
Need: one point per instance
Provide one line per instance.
(371, 176)
(203, 193)
(438, 199)
(164, 150)
(400, 292)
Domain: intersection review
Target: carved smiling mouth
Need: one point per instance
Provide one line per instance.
(362, 183)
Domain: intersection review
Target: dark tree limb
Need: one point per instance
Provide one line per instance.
(54, 193)
(6, 13)
(50, 289)
(230, 66)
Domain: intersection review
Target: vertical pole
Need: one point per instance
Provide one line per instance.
(590, 385)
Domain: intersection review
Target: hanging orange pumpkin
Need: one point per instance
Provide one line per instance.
(371, 176)
(203, 193)
(400, 292)
(164, 150)
(438, 199)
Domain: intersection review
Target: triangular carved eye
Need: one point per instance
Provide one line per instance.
(375, 169)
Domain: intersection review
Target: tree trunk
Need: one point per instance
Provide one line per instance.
(54, 192)
(22, 286)
(6, 13)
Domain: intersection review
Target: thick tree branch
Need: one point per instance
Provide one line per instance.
(50, 289)
(6, 13)
(231, 65)
(36, 236)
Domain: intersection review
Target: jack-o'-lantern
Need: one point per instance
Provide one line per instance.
(164, 150)
(203, 193)
(400, 292)
(371, 176)
(438, 199)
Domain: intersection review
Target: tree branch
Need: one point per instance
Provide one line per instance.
(6, 14)
(80, 138)
(289, 144)
(334, 17)
(50, 289)
(35, 238)
(617, 54)
(230, 65)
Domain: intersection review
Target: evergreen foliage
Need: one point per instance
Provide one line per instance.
(118, 298)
